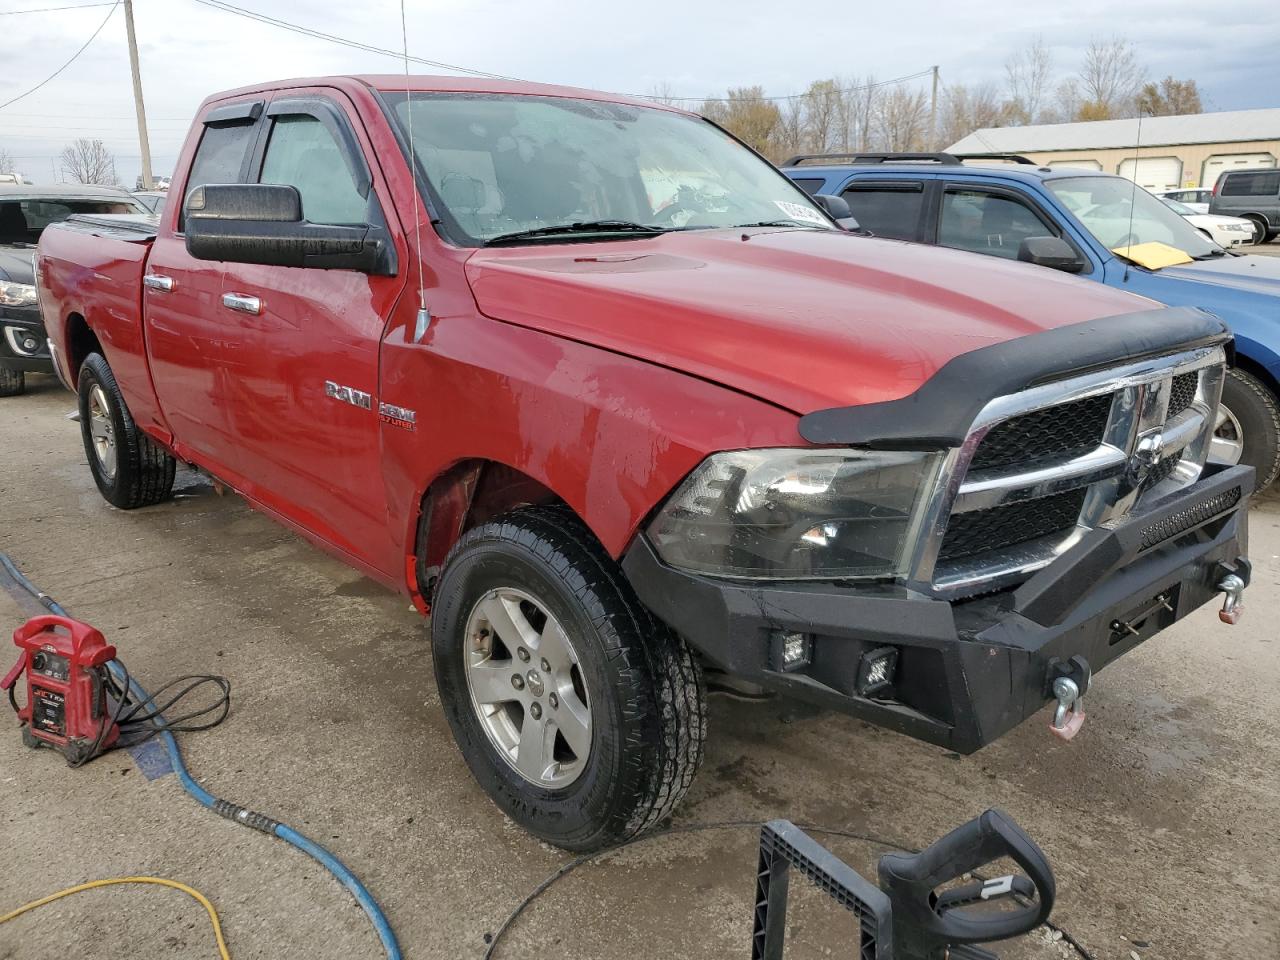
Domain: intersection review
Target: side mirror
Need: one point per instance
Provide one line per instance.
(837, 208)
(262, 223)
(1052, 252)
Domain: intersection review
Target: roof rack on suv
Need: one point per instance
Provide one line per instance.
(892, 157)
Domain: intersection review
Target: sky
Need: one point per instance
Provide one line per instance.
(695, 47)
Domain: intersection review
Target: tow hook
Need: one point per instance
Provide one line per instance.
(1070, 683)
(1233, 603)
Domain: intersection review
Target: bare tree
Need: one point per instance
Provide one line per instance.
(966, 109)
(1110, 79)
(1170, 98)
(6, 161)
(1027, 74)
(748, 115)
(88, 160)
(662, 93)
(902, 119)
(862, 102)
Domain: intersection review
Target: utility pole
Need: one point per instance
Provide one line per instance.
(144, 142)
(933, 108)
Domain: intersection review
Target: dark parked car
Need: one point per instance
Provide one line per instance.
(1252, 194)
(25, 211)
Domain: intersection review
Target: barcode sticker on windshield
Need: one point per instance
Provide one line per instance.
(798, 211)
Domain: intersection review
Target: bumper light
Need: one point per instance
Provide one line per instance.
(876, 670)
(22, 342)
(794, 650)
(796, 514)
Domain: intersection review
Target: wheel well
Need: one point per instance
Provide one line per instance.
(1258, 371)
(469, 493)
(81, 341)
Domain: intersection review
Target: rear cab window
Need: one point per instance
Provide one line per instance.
(892, 209)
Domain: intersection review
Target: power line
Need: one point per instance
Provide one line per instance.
(354, 44)
(77, 6)
(74, 56)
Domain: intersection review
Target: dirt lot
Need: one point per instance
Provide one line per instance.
(1161, 818)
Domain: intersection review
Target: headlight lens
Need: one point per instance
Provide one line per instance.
(796, 514)
(17, 294)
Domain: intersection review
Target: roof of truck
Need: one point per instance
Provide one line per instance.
(61, 191)
(429, 83)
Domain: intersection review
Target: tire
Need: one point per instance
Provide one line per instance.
(12, 382)
(640, 685)
(1250, 420)
(130, 469)
(1259, 228)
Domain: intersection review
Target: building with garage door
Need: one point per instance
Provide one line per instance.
(1176, 152)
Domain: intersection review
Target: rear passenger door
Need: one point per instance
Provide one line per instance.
(188, 332)
(891, 208)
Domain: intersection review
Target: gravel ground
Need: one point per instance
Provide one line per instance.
(1160, 818)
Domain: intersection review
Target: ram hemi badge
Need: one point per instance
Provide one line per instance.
(357, 398)
(397, 416)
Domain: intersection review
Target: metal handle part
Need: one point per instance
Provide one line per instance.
(158, 281)
(1233, 604)
(242, 303)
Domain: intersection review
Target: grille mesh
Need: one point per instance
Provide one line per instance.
(1184, 520)
(982, 531)
(1065, 430)
(1181, 392)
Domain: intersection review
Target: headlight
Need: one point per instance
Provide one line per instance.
(796, 514)
(17, 294)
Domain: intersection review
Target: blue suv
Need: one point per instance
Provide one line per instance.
(1073, 220)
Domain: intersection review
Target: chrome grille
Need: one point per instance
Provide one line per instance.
(1041, 468)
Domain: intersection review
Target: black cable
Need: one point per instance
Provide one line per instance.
(493, 939)
(105, 724)
(74, 57)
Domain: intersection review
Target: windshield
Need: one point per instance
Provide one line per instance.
(1181, 209)
(22, 221)
(502, 165)
(1119, 215)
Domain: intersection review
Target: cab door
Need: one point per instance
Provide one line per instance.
(303, 379)
(188, 332)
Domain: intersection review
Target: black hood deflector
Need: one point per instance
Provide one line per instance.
(939, 414)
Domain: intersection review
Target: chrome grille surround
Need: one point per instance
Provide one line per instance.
(1128, 466)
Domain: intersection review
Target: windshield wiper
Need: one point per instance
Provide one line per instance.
(780, 223)
(1211, 255)
(567, 229)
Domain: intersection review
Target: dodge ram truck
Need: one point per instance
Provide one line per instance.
(619, 405)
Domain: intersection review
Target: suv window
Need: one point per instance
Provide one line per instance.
(1251, 184)
(887, 209)
(990, 223)
(809, 185)
(303, 153)
(220, 156)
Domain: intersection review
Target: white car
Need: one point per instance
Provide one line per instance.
(1197, 200)
(1226, 232)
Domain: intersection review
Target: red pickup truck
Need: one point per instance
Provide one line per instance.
(617, 403)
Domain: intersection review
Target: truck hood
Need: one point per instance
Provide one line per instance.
(16, 264)
(803, 319)
(1251, 274)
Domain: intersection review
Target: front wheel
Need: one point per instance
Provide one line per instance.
(577, 712)
(12, 382)
(130, 469)
(1248, 427)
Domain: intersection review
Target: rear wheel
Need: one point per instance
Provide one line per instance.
(130, 469)
(580, 715)
(1248, 427)
(12, 382)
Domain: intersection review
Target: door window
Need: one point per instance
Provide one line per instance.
(990, 223)
(1251, 185)
(220, 156)
(303, 153)
(888, 209)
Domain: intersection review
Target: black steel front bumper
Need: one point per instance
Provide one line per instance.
(26, 319)
(967, 671)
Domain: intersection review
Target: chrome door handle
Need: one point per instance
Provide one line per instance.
(242, 302)
(158, 281)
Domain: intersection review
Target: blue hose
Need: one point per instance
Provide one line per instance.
(232, 811)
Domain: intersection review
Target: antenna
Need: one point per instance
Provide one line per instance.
(424, 315)
(1133, 196)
